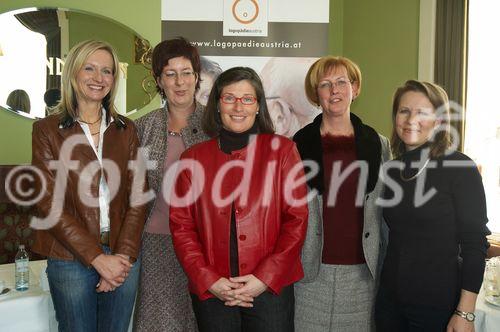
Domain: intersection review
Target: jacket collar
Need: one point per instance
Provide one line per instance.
(68, 126)
(368, 148)
(67, 121)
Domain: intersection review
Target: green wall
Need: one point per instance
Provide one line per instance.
(83, 26)
(142, 17)
(380, 35)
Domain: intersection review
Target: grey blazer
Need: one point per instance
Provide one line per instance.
(152, 129)
(374, 234)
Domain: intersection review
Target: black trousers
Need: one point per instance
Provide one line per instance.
(270, 313)
(391, 316)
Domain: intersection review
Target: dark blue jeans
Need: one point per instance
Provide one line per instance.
(270, 313)
(391, 316)
(79, 308)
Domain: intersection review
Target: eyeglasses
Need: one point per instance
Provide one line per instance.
(185, 74)
(328, 85)
(245, 100)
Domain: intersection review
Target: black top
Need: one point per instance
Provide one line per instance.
(437, 246)
(230, 141)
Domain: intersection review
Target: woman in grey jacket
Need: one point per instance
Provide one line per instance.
(163, 302)
(340, 254)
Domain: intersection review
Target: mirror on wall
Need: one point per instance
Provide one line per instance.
(33, 46)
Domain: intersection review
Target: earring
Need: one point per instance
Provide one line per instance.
(257, 113)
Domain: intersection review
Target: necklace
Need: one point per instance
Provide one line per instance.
(414, 176)
(92, 123)
(174, 133)
(97, 132)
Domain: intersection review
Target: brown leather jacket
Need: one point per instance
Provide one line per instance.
(76, 232)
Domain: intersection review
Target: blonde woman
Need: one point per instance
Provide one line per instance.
(434, 265)
(93, 245)
(341, 251)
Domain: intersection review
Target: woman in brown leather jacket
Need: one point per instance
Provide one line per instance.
(89, 221)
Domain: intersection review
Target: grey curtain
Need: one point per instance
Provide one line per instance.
(451, 54)
(45, 21)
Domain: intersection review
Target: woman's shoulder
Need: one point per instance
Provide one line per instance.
(275, 141)
(149, 118)
(202, 147)
(458, 165)
(305, 133)
(50, 122)
(457, 156)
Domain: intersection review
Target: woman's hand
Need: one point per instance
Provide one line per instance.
(467, 303)
(243, 296)
(104, 286)
(113, 268)
(221, 286)
(459, 324)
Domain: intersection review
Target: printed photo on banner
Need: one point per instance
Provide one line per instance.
(280, 40)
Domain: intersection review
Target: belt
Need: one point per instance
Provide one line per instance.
(105, 238)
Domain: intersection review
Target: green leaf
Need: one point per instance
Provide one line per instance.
(3, 233)
(3, 259)
(9, 246)
(8, 221)
(16, 219)
(27, 232)
(3, 207)
(30, 242)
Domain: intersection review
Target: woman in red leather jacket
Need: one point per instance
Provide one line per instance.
(238, 213)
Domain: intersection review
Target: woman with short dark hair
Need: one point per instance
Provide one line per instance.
(239, 240)
(163, 301)
(436, 213)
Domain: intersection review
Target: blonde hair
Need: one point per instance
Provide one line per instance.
(322, 67)
(74, 62)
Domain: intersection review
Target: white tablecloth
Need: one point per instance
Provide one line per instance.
(31, 310)
(487, 315)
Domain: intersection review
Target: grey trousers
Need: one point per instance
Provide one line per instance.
(340, 299)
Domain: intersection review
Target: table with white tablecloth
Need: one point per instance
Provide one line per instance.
(487, 315)
(31, 310)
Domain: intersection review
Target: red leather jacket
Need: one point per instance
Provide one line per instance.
(270, 228)
(76, 231)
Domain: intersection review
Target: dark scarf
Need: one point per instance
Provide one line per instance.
(368, 148)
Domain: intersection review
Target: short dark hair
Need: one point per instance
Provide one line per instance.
(174, 48)
(439, 100)
(212, 122)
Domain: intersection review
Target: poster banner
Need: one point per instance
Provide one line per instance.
(279, 39)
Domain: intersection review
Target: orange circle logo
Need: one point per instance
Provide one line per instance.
(245, 12)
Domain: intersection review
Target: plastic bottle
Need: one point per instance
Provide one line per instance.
(22, 269)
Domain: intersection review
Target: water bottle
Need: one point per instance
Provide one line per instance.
(22, 269)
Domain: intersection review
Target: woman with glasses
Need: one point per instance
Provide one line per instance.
(163, 302)
(240, 213)
(341, 251)
(435, 259)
